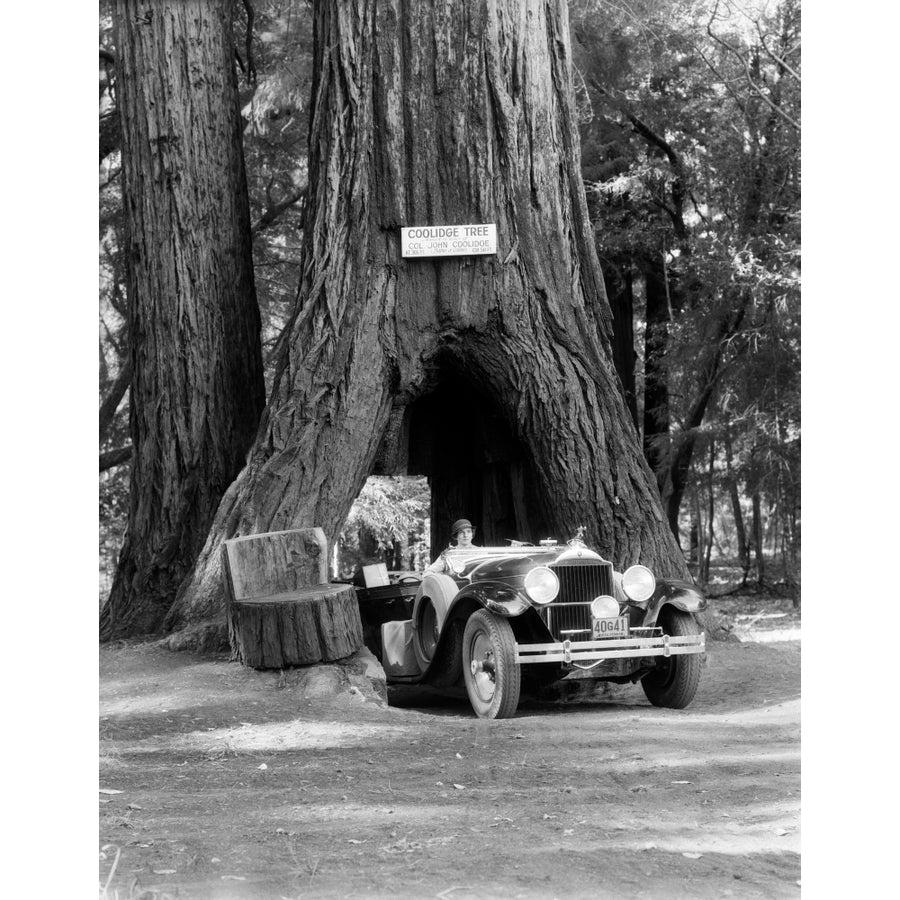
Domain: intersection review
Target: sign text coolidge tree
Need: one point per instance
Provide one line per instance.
(444, 112)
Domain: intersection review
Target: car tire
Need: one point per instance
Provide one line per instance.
(674, 681)
(448, 665)
(493, 691)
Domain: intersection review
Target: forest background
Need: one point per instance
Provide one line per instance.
(848, 368)
(689, 114)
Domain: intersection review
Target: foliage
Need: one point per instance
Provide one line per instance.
(691, 150)
(275, 80)
(389, 522)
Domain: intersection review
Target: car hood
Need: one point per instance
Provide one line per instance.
(483, 563)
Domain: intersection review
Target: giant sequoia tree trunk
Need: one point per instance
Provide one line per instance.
(197, 390)
(444, 112)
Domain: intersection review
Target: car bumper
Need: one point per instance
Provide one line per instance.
(610, 648)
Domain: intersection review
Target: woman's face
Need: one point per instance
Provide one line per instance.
(464, 537)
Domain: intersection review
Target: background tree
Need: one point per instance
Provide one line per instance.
(691, 140)
(196, 369)
(389, 523)
(272, 41)
(431, 113)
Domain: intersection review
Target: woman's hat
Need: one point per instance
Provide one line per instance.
(458, 526)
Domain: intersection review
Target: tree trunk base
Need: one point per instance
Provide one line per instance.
(295, 628)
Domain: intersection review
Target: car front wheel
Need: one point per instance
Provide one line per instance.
(674, 681)
(492, 675)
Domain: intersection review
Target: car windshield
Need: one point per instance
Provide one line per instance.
(461, 557)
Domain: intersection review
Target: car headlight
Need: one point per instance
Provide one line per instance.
(604, 607)
(541, 585)
(639, 584)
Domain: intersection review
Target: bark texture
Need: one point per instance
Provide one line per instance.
(657, 437)
(197, 389)
(620, 288)
(275, 563)
(299, 628)
(429, 113)
(281, 610)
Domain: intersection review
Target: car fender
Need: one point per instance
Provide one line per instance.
(500, 599)
(441, 591)
(436, 592)
(681, 594)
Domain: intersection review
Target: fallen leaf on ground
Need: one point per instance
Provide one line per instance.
(403, 846)
(460, 787)
(263, 766)
(781, 832)
(110, 791)
(354, 841)
(692, 855)
(459, 755)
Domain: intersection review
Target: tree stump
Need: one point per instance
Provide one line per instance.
(280, 610)
(313, 624)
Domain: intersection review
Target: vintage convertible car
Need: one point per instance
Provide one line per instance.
(534, 614)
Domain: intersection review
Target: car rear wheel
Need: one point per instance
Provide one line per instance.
(447, 668)
(674, 681)
(493, 677)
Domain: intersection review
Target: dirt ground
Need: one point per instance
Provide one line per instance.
(219, 782)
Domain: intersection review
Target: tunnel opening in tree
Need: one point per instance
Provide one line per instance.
(476, 466)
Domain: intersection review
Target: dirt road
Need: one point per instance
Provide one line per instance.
(229, 785)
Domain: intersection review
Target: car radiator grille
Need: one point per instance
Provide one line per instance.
(569, 615)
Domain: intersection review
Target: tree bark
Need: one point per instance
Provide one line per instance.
(758, 538)
(111, 401)
(737, 512)
(657, 413)
(306, 626)
(444, 112)
(710, 514)
(112, 458)
(621, 301)
(197, 388)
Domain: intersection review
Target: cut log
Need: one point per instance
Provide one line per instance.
(280, 610)
(319, 623)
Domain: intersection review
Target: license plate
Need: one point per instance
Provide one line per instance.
(611, 628)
